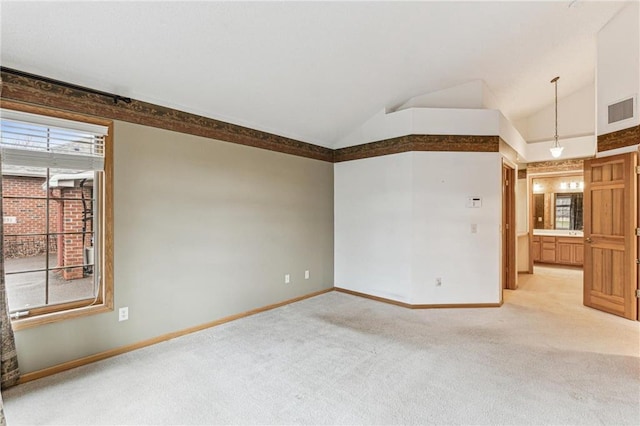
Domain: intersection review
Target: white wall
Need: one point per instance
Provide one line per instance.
(443, 244)
(576, 116)
(579, 147)
(448, 121)
(467, 109)
(471, 95)
(618, 66)
(467, 95)
(522, 202)
(372, 226)
(434, 121)
(489, 100)
(508, 132)
(522, 225)
(382, 125)
(401, 221)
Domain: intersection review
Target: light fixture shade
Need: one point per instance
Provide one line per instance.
(556, 151)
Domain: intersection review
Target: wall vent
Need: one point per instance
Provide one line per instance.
(621, 110)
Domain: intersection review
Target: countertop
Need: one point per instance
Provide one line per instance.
(558, 232)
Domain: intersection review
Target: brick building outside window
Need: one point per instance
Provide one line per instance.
(67, 226)
(57, 200)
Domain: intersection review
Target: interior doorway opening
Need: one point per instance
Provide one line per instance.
(550, 246)
(509, 265)
(556, 226)
(586, 220)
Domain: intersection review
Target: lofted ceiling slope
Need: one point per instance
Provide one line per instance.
(312, 71)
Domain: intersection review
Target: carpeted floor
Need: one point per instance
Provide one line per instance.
(542, 358)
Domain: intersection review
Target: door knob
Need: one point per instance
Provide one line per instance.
(588, 240)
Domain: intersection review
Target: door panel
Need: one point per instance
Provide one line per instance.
(610, 220)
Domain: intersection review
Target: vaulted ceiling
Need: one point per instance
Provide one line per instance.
(313, 71)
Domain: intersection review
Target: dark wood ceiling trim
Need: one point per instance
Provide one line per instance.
(31, 90)
(373, 149)
(38, 92)
(619, 139)
(455, 143)
(576, 164)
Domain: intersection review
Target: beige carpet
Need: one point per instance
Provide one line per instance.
(542, 358)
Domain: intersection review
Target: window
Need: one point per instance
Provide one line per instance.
(563, 211)
(57, 214)
(569, 211)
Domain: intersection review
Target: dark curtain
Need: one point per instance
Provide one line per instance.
(576, 211)
(9, 372)
(9, 360)
(3, 421)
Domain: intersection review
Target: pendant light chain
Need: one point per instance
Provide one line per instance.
(556, 84)
(556, 150)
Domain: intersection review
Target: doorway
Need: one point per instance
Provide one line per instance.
(509, 267)
(556, 219)
(602, 244)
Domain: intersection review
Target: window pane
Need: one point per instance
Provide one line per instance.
(71, 235)
(26, 290)
(25, 252)
(70, 284)
(24, 205)
(563, 211)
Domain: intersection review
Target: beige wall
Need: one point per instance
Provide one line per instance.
(203, 229)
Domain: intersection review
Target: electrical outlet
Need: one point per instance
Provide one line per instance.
(287, 278)
(438, 282)
(306, 274)
(123, 314)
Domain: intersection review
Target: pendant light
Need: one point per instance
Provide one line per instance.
(556, 149)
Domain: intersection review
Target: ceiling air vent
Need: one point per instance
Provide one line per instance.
(621, 110)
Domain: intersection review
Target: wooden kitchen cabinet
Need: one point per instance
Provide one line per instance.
(558, 250)
(535, 248)
(578, 253)
(548, 250)
(564, 252)
(570, 250)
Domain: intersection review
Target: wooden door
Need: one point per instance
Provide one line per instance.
(610, 221)
(509, 269)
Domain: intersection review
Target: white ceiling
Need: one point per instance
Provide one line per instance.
(311, 71)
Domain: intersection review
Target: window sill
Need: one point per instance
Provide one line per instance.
(24, 323)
